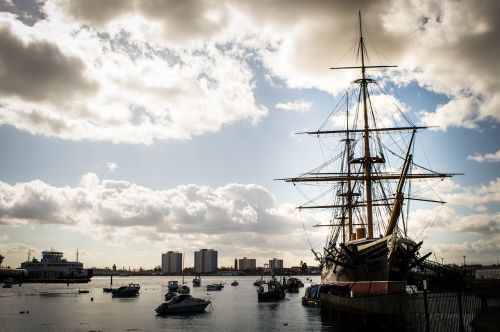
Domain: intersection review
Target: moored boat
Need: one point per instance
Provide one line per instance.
(173, 285)
(312, 295)
(275, 291)
(182, 304)
(197, 281)
(291, 284)
(235, 283)
(53, 268)
(215, 287)
(130, 290)
(183, 289)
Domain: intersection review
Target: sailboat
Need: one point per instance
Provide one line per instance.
(368, 180)
(183, 289)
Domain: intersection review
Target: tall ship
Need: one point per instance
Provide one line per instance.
(365, 187)
(53, 268)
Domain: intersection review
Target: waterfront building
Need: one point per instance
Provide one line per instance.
(247, 264)
(205, 261)
(171, 262)
(236, 264)
(276, 265)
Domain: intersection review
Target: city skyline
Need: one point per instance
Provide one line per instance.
(128, 127)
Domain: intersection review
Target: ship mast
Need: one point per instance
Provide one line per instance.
(349, 185)
(367, 160)
(366, 175)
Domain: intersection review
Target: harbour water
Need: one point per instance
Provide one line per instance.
(58, 307)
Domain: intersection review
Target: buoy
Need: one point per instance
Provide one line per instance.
(91, 299)
(27, 311)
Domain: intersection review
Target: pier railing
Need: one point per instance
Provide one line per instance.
(467, 307)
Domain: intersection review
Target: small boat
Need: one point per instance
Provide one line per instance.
(291, 285)
(184, 289)
(182, 304)
(107, 289)
(7, 286)
(173, 286)
(197, 281)
(215, 287)
(126, 291)
(235, 283)
(312, 296)
(83, 291)
(275, 292)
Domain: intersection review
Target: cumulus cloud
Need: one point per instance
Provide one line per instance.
(476, 196)
(161, 70)
(241, 215)
(451, 218)
(76, 81)
(487, 157)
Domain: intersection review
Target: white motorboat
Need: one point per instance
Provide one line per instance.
(183, 304)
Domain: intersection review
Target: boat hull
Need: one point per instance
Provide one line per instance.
(182, 304)
(192, 309)
(125, 294)
(270, 296)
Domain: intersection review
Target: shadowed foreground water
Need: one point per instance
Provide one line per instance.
(57, 307)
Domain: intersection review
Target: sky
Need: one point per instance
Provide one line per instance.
(131, 128)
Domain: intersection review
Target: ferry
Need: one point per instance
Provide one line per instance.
(53, 268)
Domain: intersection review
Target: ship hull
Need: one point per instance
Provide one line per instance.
(383, 305)
(388, 258)
(373, 274)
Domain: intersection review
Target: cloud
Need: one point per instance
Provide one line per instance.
(476, 196)
(111, 166)
(245, 216)
(82, 83)
(488, 157)
(455, 221)
(152, 70)
(480, 251)
(39, 71)
(297, 105)
(14, 248)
